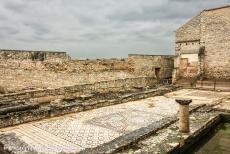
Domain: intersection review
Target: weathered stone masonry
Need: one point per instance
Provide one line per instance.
(33, 70)
(203, 47)
(22, 55)
(152, 65)
(36, 84)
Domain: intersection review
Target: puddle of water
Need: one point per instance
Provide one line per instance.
(217, 142)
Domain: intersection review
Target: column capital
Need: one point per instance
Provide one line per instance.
(183, 101)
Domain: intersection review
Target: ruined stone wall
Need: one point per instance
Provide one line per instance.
(56, 61)
(18, 80)
(23, 79)
(23, 70)
(215, 25)
(151, 65)
(83, 89)
(76, 66)
(89, 66)
(29, 106)
(23, 55)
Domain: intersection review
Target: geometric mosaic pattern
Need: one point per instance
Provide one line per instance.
(114, 121)
(95, 127)
(121, 121)
(78, 133)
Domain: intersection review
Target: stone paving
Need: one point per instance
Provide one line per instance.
(225, 105)
(167, 139)
(76, 132)
(199, 96)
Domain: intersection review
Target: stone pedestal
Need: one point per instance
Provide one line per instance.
(184, 114)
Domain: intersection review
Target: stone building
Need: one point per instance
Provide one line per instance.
(159, 66)
(203, 47)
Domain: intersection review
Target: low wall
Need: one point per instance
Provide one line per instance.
(214, 85)
(23, 55)
(57, 64)
(20, 80)
(18, 114)
(83, 89)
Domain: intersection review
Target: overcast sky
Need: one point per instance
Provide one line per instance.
(96, 28)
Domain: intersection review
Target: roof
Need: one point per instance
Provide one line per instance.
(217, 8)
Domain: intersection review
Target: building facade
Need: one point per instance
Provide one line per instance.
(203, 47)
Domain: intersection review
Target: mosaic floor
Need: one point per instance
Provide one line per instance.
(75, 132)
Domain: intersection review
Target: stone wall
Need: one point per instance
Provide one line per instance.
(20, 80)
(36, 85)
(25, 70)
(215, 25)
(25, 74)
(32, 109)
(23, 55)
(83, 89)
(160, 67)
(56, 61)
(187, 59)
(187, 50)
(189, 31)
(203, 47)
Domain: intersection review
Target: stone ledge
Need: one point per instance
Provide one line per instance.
(17, 144)
(170, 140)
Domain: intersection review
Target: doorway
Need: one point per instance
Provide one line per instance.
(157, 73)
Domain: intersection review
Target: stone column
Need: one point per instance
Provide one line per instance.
(184, 114)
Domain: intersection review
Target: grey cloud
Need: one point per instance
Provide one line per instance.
(2, 17)
(38, 28)
(8, 31)
(96, 28)
(15, 6)
(172, 9)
